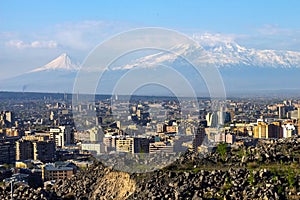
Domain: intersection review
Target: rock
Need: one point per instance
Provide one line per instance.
(171, 174)
(186, 174)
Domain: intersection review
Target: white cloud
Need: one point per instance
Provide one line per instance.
(78, 38)
(73, 36)
(35, 44)
(85, 35)
(271, 29)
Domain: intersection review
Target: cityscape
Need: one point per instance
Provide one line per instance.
(153, 100)
(40, 143)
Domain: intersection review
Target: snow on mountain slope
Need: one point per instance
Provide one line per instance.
(214, 49)
(62, 62)
(232, 54)
(241, 68)
(223, 52)
(173, 56)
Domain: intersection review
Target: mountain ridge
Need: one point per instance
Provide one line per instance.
(242, 69)
(213, 50)
(223, 54)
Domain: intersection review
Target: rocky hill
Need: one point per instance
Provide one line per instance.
(269, 170)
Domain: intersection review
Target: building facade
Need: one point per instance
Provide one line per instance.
(133, 145)
(52, 172)
(8, 152)
(44, 151)
(24, 150)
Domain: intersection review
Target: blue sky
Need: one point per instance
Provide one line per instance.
(222, 16)
(34, 32)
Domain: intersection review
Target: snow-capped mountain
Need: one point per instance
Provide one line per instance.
(245, 70)
(242, 69)
(62, 62)
(56, 76)
(221, 52)
(232, 54)
(224, 51)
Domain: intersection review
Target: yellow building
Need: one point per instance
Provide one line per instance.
(172, 129)
(24, 164)
(264, 130)
(12, 132)
(36, 137)
(124, 145)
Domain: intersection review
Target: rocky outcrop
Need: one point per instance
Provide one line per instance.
(269, 170)
(215, 184)
(114, 185)
(25, 192)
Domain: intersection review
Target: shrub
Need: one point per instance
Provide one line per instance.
(222, 149)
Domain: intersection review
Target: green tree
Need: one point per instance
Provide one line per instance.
(222, 150)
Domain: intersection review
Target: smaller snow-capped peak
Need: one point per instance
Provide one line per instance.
(62, 62)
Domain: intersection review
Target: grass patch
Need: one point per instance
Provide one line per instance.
(251, 178)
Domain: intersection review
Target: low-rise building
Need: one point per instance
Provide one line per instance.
(133, 145)
(53, 172)
(94, 148)
(157, 147)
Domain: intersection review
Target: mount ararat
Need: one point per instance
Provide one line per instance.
(244, 70)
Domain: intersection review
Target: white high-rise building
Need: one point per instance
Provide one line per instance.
(8, 116)
(212, 119)
(96, 134)
(288, 130)
(63, 136)
(51, 116)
